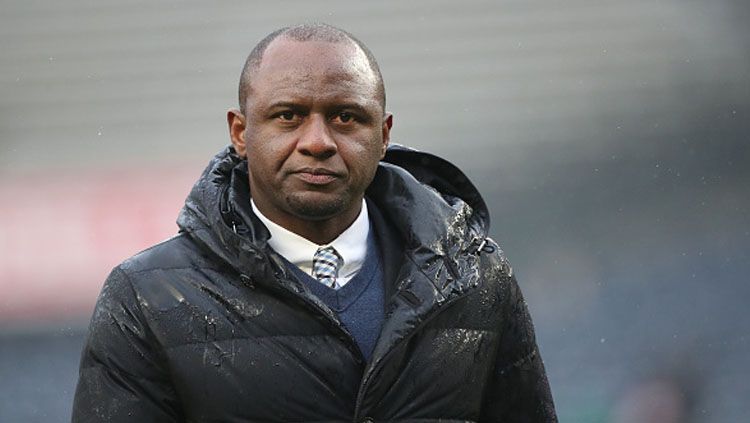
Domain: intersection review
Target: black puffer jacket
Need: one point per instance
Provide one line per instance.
(209, 326)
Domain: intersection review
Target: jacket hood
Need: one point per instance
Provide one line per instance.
(429, 201)
(450, 206)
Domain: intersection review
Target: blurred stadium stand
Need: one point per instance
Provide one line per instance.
(611, 139)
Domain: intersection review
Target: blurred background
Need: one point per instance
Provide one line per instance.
(610, 139)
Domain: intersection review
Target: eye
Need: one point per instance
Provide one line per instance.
(286, 115)
(287, 118)
(345, 117)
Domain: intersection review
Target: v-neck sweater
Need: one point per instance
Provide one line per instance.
(359, 303)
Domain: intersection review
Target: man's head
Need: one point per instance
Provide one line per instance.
(312, 126)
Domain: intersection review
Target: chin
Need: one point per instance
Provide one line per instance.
(312, 207)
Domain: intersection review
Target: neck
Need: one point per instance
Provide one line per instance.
(319, 231)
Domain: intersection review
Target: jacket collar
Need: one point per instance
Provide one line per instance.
(440, 246)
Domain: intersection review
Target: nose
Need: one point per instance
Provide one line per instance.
(315, 139)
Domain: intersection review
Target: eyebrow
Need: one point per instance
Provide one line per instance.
(356, 107)
(287, 104)
(352, 106)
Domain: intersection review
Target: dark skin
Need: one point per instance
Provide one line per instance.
(314, 131)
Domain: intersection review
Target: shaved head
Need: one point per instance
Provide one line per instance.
(305, 32)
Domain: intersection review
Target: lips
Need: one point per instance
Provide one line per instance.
(316, 176)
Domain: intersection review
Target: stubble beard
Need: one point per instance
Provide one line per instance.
(308, 209)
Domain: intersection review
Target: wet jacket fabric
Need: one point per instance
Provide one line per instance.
(210, 326)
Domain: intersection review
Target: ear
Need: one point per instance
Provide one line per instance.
(387, 125)
(237, 125)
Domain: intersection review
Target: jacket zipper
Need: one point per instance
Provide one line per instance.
(483, 248)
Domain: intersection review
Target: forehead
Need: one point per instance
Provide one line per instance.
(313, 69)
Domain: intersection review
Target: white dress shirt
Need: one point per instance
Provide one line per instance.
(351, 244)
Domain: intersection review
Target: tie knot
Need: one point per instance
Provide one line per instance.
(326, 264)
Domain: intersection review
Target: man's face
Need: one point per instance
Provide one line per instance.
(314, 132)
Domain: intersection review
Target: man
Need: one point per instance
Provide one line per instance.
(319, 274)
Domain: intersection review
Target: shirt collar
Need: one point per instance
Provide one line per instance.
(350, 244)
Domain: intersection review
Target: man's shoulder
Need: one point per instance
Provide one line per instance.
(178, 252)
(496, 260)
(495, 268)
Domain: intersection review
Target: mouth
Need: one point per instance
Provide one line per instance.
(316, 176)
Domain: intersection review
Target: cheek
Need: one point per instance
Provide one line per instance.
(269, 153)
(261, 160)
(366, 161)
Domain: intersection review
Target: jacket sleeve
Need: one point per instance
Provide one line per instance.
(518, 390)
(122, 377)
